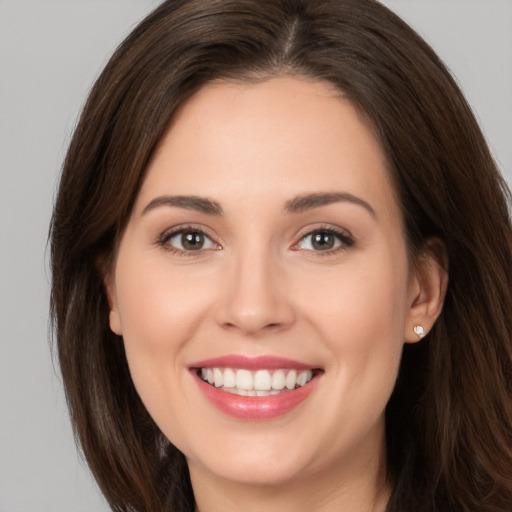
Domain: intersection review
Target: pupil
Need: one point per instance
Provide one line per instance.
(192, 240)
(323, 241)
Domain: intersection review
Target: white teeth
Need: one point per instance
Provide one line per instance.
(241, 392)
(262, 380)
(278, 380)
(218, 377)
(291, 379)
(229, 378)
(244, 379)
(259, 383)
(303, 378)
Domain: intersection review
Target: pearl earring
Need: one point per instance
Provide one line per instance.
(418, 329)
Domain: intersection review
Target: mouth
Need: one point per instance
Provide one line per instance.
(262, 382)
(255, 388)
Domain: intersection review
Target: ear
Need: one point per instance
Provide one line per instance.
(427, 290)
(108, 277)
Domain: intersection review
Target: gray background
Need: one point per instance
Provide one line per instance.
(50, 52)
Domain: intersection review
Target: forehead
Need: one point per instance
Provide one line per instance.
(269, 140)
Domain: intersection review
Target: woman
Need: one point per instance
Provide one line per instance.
(281, 260)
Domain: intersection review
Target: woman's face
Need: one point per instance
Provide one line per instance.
(265, 252)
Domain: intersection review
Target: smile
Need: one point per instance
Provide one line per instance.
(263, 382)
(255, 388)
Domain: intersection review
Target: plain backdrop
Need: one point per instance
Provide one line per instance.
(50, 53)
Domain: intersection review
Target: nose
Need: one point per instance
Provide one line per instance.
(255, 298)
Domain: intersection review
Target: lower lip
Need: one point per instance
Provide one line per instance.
(256, 407)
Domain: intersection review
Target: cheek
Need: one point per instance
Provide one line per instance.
(158, 304)
(365, 301)
(159, 314)
(159, 311)
(361, 314)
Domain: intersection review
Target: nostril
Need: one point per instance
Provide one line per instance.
(252, 328)
(252, 313)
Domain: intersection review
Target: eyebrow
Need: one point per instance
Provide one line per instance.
(306, 202)
(296, 205)
(200, 204)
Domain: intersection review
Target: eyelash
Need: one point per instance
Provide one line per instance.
(345, 241)
(164, 238)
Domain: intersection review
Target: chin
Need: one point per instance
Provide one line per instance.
(260, 472)
(263, 464)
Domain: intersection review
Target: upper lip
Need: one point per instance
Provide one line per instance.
(252, 363)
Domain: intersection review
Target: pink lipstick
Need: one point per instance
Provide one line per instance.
(255, 388)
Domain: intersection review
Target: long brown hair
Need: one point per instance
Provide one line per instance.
(449, 420)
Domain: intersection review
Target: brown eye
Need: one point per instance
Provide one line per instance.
(323, 241)
(188, 240)
(192, 240)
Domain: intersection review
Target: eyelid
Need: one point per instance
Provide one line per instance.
(164, 238)
(344, 237)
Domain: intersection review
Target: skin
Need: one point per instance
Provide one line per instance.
(259, 287)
